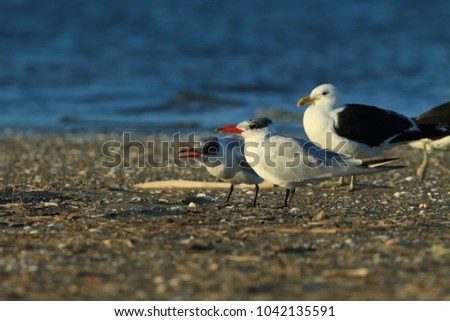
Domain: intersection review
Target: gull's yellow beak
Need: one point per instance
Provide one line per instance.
(305, 101)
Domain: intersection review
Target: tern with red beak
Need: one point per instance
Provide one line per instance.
(224, 159)
(359, 130)
(290, 162)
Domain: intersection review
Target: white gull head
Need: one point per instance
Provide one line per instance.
(325, 95)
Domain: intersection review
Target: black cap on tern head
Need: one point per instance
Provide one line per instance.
(258, 123)
(210, 145)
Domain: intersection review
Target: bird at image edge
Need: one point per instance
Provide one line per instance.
(362, 131)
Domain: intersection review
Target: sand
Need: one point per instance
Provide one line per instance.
(73, 230)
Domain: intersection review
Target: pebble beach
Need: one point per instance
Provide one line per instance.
(72, 229)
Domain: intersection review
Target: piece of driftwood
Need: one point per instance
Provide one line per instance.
(195, 185)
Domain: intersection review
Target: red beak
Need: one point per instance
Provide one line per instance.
(232, 129)
(189, 152)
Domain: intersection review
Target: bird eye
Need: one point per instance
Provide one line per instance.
(252, 126)
(213, 150)
(210, 149)
(325, 93)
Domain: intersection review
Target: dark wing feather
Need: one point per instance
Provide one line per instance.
(425, 131)
(437, 115)
(370, 125)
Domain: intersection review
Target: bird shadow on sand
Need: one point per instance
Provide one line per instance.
(200, 201)
(154, 211)
(7, 197)
(359, 187)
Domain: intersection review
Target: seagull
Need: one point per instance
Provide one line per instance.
(224, 159)
(290, 162)
(437, 115)
(362, 131)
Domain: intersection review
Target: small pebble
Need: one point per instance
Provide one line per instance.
(160, 288)
(192, 205)
(174, 283)
(213, 266)
(320, 216)
(383, 238)
(350, 242)
(398, 194)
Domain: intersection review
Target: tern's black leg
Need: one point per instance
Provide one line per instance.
(229, 193)
(228, 198)
(292, 195)
(256, 195)
(289, 195)
(288, 190)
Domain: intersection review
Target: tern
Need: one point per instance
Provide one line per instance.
(290, 162)
(362, 131)
(224, 159)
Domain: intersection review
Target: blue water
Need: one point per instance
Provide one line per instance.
(160, 65)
